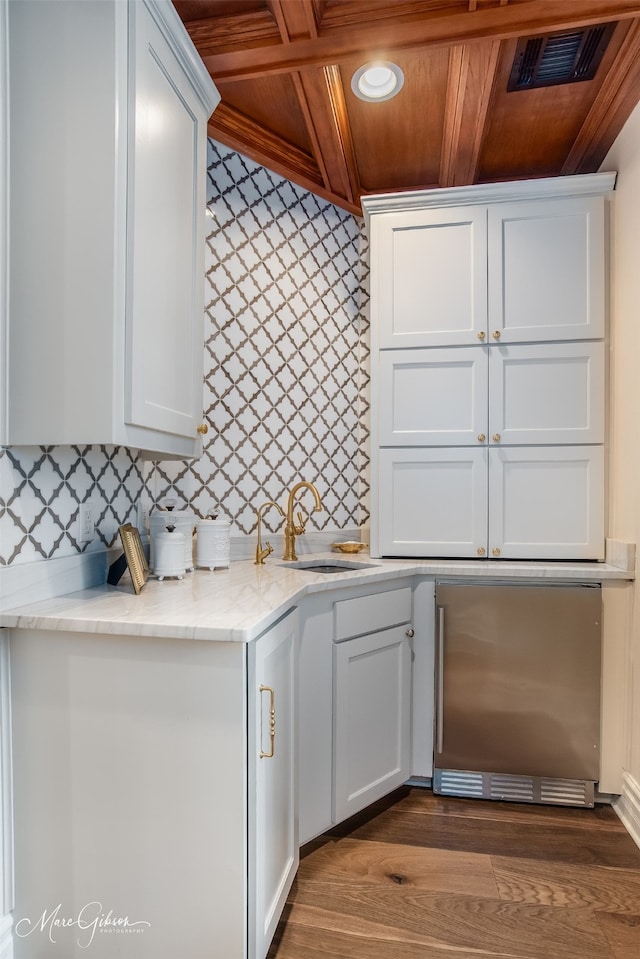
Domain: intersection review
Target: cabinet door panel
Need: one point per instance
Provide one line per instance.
(546, 269)
(435, 397)
(431, 277)
(273, 819)
(165, 314)
(372, 734)
(547, 393)
(547, 502)
(433, 502)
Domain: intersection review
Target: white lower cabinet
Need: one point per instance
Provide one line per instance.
(355, 672)
(273, 815)
(142, 789)
(503, 502)
(372, 718)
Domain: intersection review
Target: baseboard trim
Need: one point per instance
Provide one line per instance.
(628, 806)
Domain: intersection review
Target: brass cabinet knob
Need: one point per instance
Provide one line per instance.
(481, 335)
(496, 437)
(495, 551)
(481, 550)
(410, 632)
(481, 438)
(203, 429)
(496, 334)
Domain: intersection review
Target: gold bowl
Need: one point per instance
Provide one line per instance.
(349, 547)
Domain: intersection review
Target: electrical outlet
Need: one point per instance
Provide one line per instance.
(86, 523)
(143, 516)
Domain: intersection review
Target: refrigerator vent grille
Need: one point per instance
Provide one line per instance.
(533, 789)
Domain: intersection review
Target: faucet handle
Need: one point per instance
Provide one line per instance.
(300, 527)
(268, 548)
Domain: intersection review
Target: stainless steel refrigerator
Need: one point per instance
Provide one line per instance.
(518, 692)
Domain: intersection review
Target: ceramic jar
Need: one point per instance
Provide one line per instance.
(169, 553)
(184, 522)
(213, 543)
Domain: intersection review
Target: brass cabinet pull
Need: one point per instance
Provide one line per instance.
(481, 438)
(496, 437)
(481, 551)
(495, 551)
(496, 334)
(272, 722)
(481, 335)
(203, 429)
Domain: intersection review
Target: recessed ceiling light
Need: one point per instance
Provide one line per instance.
(377, 81)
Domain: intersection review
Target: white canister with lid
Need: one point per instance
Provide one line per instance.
(184, 522)
(213, 543)
(169, 553)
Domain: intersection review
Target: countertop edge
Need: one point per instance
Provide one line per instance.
(239, 604)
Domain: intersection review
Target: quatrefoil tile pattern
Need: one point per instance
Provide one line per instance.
(42, 489)
(285, 355)
(285, 391)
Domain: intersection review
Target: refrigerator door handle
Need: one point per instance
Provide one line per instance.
(440, 682)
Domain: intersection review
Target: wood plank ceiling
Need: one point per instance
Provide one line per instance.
(284, 68)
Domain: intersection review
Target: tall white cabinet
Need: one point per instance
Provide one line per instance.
(488, 370)
(108, 110)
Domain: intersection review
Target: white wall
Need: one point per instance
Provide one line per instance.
(622, 616)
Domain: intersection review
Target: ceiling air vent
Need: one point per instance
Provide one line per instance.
(559, 57)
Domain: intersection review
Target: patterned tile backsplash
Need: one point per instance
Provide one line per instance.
(285, 390)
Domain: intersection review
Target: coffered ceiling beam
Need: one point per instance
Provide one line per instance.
(296, 21)
(610, 109)
(244, 135)
(445, 29)
(234, 30)
(472, 71)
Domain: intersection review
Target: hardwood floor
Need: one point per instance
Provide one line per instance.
(420, 876)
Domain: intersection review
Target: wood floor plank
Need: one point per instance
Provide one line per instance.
(453, 922)
(623, 932)
(294, 942)
(525, 840)
(427, 877)
(456, 873)
(559, 884)
(421, 800)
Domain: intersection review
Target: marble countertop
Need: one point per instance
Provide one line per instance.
(239, 603)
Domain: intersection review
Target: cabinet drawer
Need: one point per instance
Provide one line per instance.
(353, 617)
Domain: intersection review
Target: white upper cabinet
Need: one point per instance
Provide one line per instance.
(433, 288)
(543, 393)
(435, 397)
(520, 271)
(432, 502)
(546, 393)
(546, 501)
(546, 269)
(165, 248)
(107, 227)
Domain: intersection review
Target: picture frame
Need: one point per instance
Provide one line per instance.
(134, 555)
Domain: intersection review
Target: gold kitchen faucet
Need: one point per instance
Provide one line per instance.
(292, 529)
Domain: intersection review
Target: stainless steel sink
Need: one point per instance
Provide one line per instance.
(323, 566)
